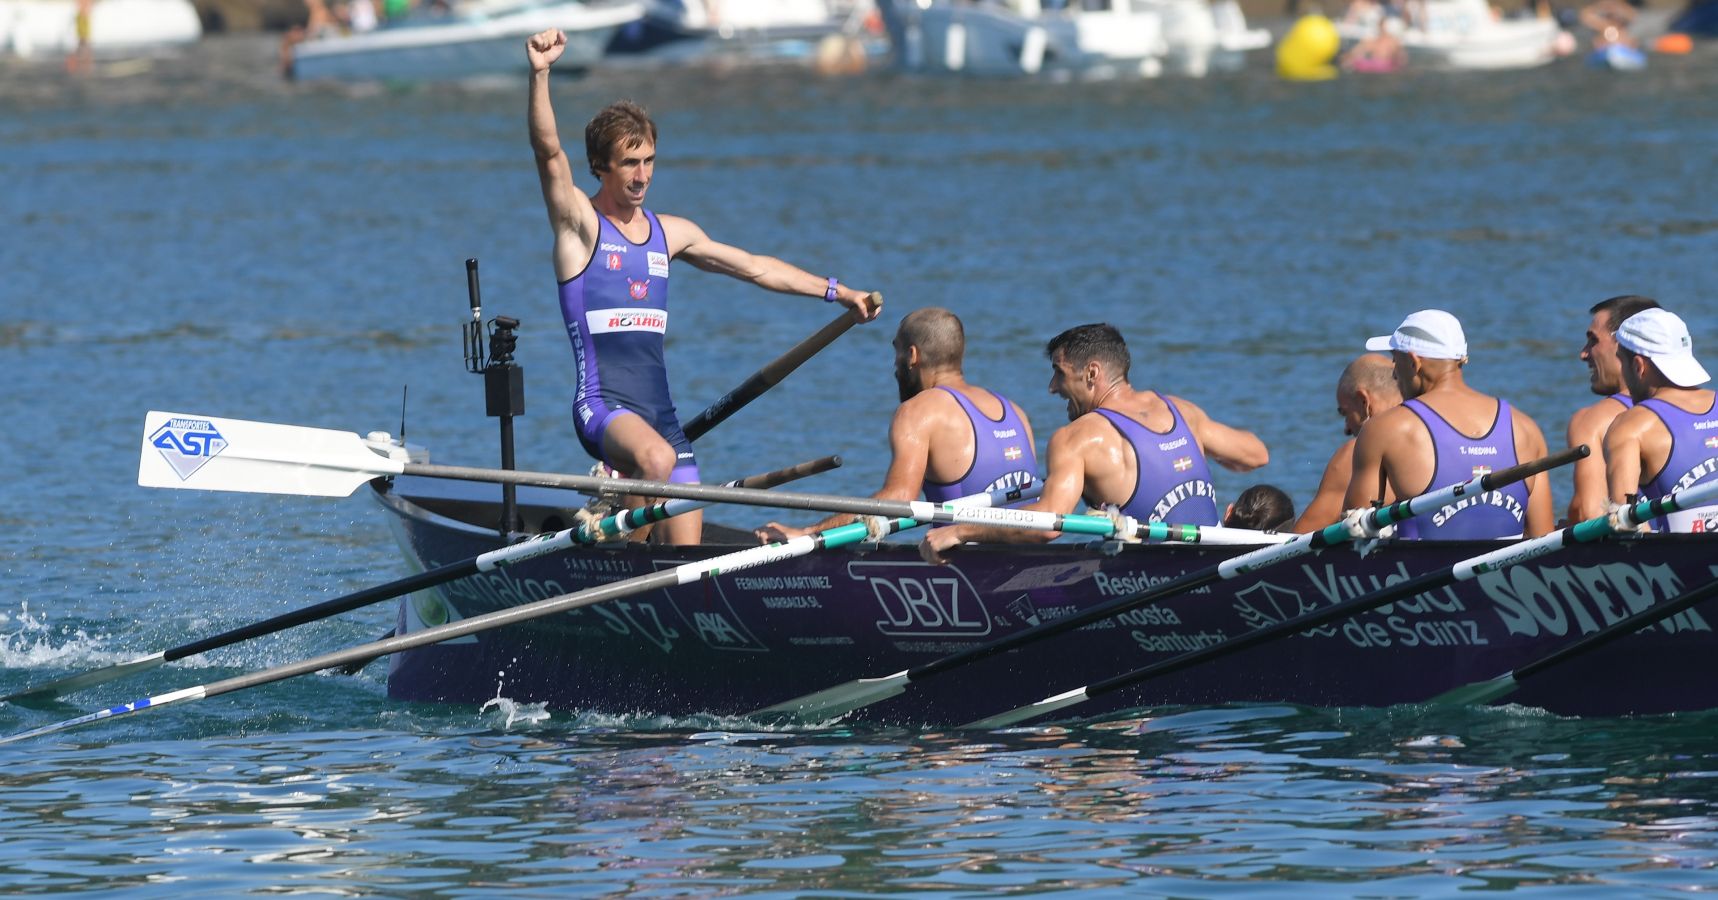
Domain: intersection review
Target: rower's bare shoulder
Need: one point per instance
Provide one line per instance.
(1588, 423)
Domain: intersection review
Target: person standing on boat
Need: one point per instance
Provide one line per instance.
(1589, 423)
(1445, 433)
(1143, 452)
(1367, 387)
(1672, 430)
(612, 262)
(949, 438)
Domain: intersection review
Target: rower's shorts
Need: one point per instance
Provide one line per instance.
(591, 419)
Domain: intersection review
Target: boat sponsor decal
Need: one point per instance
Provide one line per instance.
(773, 590)
(638, 618)
(1024, 610)
(706, 610)
(1177, 641)
(1423, 620)
(1266, 604)
(188, 444)
(830, 640)
(609, 321)
(427, 609)
(1054, 575)
(1133, 581)
(1531, 600)
(919, 599)
(658, 263)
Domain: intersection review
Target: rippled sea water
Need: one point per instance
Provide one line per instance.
(193, 235)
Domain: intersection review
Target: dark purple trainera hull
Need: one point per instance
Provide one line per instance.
(760, 636)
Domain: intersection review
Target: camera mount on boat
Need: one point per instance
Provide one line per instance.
(503, 383)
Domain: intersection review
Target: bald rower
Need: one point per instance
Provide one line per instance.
(1367, 387)
(1446, 433)
(1589, 423)
(948, 438)
(1669, 439)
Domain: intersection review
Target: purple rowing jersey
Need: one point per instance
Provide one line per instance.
(616, 311)
(1623, 398)
(1693, 460)
(1002, 455)
(1458, 458)
(1174, 481)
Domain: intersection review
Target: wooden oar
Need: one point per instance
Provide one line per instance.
(769, 376)
(843, 698)
(1591, 530)
(686, 573)
(1480, 693)
(541, 545)
(198, 452)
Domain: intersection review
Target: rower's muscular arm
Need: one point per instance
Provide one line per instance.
(1622, 453)
(1062, 490)
(910, 453)
(1587, 426)
(571, 215)
(1368, 476)
(1530, 445)
(689, 242)
(1326, 508)
(1232, 448)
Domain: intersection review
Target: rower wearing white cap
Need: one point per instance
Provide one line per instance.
(1672, 431)
(1445, 433)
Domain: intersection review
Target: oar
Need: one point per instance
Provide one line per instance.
(542, 545)
(1480, 693)
(686, 573)
(769, 376)
(208, 453)
(843, 698)
(1591, 530)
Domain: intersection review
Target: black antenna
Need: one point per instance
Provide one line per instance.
(403, 389)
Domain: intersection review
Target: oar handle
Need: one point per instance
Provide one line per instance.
(767, 377)
(1491, 481)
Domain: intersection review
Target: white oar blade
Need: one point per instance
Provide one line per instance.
(831, 703)
(1031, 711)
(205, 453)
(47, 694)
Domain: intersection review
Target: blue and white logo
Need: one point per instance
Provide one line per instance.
(188, 444)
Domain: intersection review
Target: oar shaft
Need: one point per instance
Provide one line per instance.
(767, 377)
(1652, 615)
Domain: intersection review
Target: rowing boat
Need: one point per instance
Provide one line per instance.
(746, 639)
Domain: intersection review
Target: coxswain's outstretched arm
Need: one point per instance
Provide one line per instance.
(689, 242)
(571, 215)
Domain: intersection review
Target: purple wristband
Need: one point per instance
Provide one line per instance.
(830, 295)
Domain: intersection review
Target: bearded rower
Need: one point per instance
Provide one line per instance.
(949, 438)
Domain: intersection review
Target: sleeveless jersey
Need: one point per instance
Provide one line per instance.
(1623, 398)
(1693, 460)
(1174, 482)
(1458, 458)
(1002, 457)
(616, 312)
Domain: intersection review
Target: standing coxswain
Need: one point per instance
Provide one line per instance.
(612, 262)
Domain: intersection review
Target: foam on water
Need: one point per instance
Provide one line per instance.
(37, 644)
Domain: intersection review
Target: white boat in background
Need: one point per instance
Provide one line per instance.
(117, 27)
(1093, 38)
(1464, 34)
(746, 30)
(470, 42)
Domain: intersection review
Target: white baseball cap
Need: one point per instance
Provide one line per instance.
(1661, 336)
(1431, 333)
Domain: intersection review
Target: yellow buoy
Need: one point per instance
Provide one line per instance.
(1306, 52)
